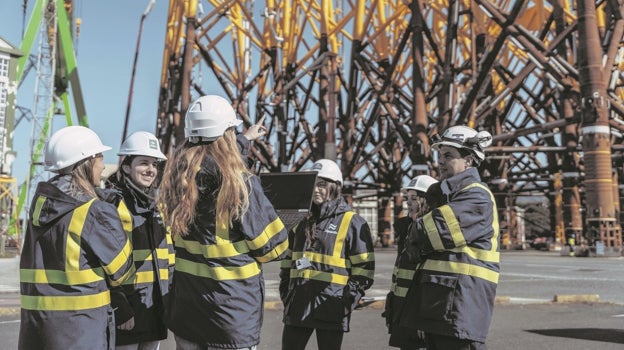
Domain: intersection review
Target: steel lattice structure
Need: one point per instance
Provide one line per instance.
(370, 82)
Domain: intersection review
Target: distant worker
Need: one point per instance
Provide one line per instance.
(223, 227)
(405, 268)
(453, 293)
(330, 266)
(139, 303)
(75, 247)
(570, 241)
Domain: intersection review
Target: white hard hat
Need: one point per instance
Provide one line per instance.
(141, 143)
(70, 145)
(420, 183)
(465, 137)
(328, 169)
(208, 117)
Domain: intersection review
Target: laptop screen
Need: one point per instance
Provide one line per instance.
(289, 190)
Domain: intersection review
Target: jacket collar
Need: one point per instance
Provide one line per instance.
(331, 208)
(457, 182)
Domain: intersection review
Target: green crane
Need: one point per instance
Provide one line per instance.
(52, 20)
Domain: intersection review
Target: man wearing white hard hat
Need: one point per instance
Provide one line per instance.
(452, 297)
(139, 303)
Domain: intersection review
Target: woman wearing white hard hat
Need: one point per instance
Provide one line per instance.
(75, 246)
(139, 302)
(223, 227)
(331, 265)
(403, 273)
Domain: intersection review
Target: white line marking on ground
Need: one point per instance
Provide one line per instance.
(7, 322)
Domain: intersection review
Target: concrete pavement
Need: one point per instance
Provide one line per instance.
(9, 286)
(375, 297)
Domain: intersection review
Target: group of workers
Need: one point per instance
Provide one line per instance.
(445, 279)
(117, 266)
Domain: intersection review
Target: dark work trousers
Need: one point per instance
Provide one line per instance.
(441, 342)
(296, 338)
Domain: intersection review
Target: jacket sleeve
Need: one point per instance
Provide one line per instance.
(467, 218)
(160, 222)
(121, 305)
(401, 227)
(110, 243)
(243, 146)
(265, 233)
(285, 266)
(359, 251)
(171, 252)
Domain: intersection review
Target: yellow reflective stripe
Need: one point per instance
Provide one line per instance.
(336, 261)
(74, 236)
(495, 225)
(219, 273)
(358, 271)
(286, 263)
(120, 260)
(222, 234)
(146, 254)
(38, 207)
(65, 302)
(215, 251)
(140, 277)
(124, 277)
(362, 258)
(170, 251)
(269, 232)
(432, 232)
(274, 253)
(491, 255)
(142, 254)
(453, 225)
(400, 291)
(320, 276)
(222, 228)
(73, 249)
(405, 274)
(162, 252)
(147, 277)
(478, 254)
(342, 233)
(61, 277)
(462, 268)
(126, 218)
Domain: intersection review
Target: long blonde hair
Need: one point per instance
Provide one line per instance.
(82, 178)
(178, 194)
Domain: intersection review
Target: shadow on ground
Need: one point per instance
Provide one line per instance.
(615, 336)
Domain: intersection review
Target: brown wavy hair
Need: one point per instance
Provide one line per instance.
(178, 193)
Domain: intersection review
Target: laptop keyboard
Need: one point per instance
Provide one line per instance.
(291, 218)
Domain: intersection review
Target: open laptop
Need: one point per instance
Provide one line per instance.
(290, 193)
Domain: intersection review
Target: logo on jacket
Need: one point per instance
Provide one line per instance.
(332, 229)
